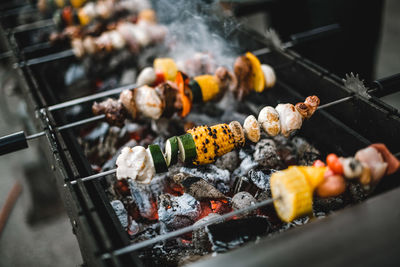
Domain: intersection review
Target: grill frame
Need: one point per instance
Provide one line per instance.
(87, 204)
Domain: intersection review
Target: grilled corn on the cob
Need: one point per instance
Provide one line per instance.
(292, 193)
(211, 142)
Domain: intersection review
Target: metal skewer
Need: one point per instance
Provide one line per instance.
(18, 140)
(103, 174)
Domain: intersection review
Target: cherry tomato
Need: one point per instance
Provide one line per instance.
(160, 78)
(319, 163)
(334, 163)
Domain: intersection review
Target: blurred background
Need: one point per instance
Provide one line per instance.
(368, 45)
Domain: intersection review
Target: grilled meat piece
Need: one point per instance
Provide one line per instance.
(243, 72)
(113, 109)
(169, 92)
(226, 80)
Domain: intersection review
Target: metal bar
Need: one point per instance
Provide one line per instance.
(81, 122)
(18, 10)
(51, 57)
(36, 135)
(35, 47)
(345, 99)
(6, 55)
(133, 247)
(69, 125)
(95, 176)
(89, 98)
(34, 25)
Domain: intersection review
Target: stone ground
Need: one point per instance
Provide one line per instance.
(39, 233)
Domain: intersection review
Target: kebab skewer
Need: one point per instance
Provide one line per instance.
(168, 98)
(133, 36)
(49, 6)
(101, 11)
(200, 145)
(293, 188)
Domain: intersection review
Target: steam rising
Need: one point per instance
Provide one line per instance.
(196, 26)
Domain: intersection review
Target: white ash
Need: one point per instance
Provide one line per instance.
(97, 134)
(178, 211)
(294, 223)
(228, 161)
(246, 151)
(121, 212)
(245, 166)
(261, 178)
(266, 154)
(219, 178)
(160, 140)
(243, 200)
(144, 195)
(133, 228)
(128, 76)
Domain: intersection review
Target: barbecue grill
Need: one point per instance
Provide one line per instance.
(355, 120)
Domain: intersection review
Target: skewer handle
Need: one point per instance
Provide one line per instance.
(13, 142)
(314, 34)
(388, 84)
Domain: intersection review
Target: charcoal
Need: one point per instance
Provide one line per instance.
(145, 196)
(243, 200)
(197, 187)
(110, 164)
(133, 228)
(245, 166)
(120, 211)
(168, 253)
(306, 153)
(328, 204)
(177, 211)
(147, 232)
(286, 151)
(242, 183)
(234, 233)
(295, 223)
(200, 236)
(212, 174)
(228, 161)
(357, 193)
(97, 133)
(160, 141)
(261, 178)
(266, 154)
(246, 151)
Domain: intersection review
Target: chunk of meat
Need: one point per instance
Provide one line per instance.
(113, 109)
(374, 161)
(243, 72)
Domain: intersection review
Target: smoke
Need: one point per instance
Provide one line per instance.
(197, 26)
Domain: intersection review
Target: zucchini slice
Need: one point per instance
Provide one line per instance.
(171, 150)
(158, 158)
(187, 148)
